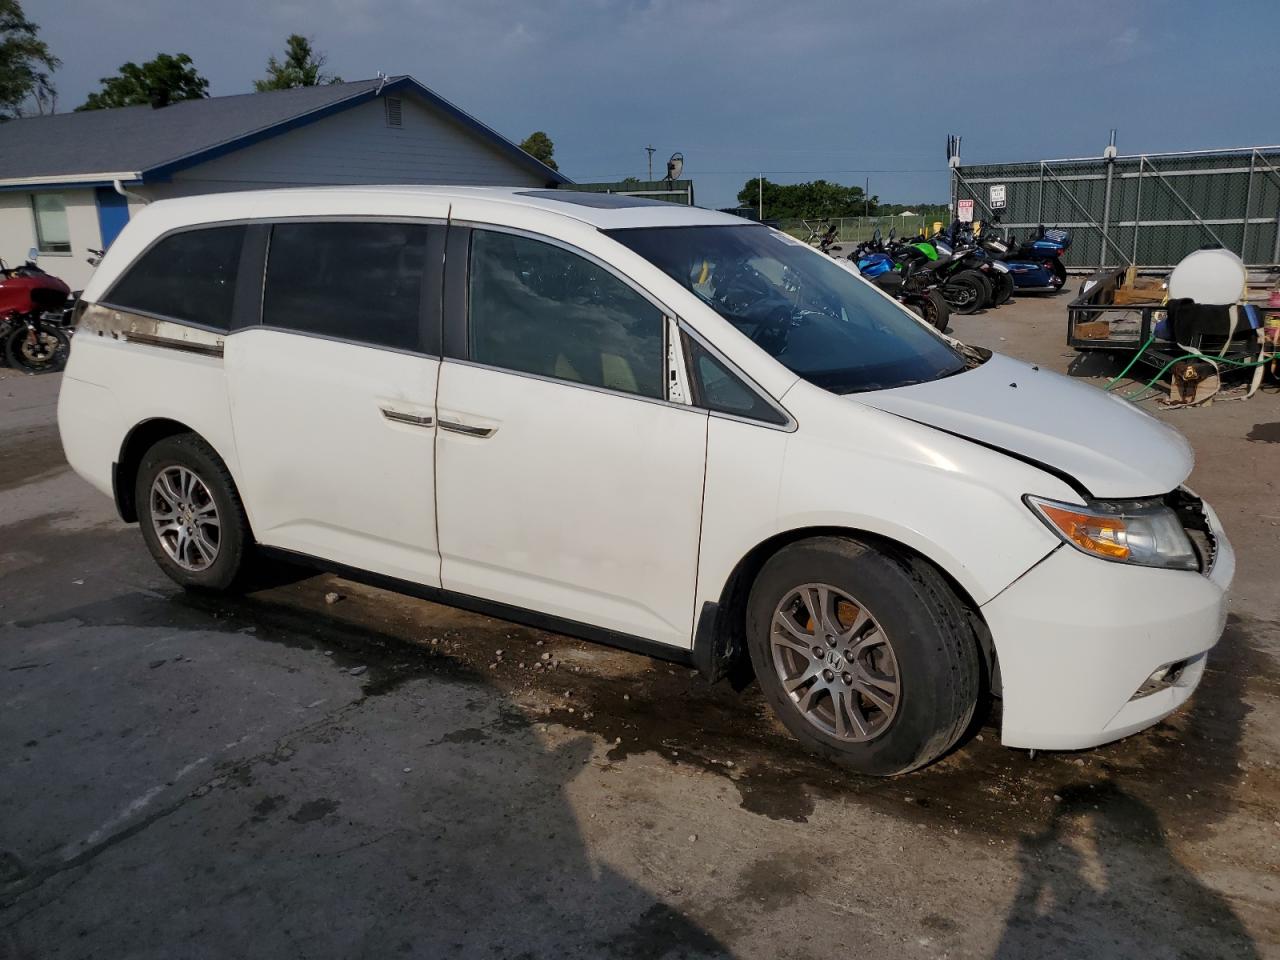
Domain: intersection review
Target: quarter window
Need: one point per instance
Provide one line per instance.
(352, 281)
(718, 389)
(188, 276)
(53, 234)
(537, 308)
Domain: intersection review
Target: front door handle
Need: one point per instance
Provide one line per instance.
(409, 418)
(467, 430)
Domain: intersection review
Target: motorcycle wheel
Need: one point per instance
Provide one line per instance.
(1059, 274)
(963, 295)
(987, 296)
(1004, 289)
(936, 312)
(43, 350)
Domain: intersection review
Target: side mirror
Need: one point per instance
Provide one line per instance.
(33, 254)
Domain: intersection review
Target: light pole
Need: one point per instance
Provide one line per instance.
(760, 198)
(649, 150)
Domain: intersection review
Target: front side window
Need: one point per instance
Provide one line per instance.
(537, 308)
(348, 280)
(816, 318)
(188, 276)
(53, 234)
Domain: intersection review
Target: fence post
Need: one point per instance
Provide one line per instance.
(1106, 213)
(1040, 201)
(1248, 202)
(1137, 208)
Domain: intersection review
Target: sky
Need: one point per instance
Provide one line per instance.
(794, 90)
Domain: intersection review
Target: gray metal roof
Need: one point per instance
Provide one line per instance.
(130, 141)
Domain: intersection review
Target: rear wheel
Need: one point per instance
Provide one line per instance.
(190, 513)
(866, 656)
(42, 348)
(1059, 273)
(963, 294)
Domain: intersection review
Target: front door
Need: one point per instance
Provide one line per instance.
(567, 483)
(333, 395)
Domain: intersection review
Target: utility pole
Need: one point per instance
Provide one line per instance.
(649, 150)
(760, 198)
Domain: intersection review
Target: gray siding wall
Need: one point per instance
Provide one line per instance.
(357, 146)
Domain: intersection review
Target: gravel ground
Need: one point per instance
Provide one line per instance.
(320, 769)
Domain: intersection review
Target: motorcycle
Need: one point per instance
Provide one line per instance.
(961, 287)
(1035, 264)
(907, 282)
(31, 308)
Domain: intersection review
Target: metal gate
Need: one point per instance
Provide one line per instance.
(1145, 209)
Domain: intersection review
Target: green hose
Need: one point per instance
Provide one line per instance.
(1136, 357)
(1190, 356)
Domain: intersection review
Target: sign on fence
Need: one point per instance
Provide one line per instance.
(964, 211)
(997, 196)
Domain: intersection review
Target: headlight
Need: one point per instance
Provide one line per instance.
(1144, 532)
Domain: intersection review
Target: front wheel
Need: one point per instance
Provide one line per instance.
(190, 513)
(1003, 288)
(866, 655)
(38, 348)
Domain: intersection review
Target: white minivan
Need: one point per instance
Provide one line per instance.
(657, 427)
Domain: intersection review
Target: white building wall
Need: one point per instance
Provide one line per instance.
(18, 234)
(357, 146)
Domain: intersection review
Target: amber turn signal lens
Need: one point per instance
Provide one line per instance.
(1104, 536)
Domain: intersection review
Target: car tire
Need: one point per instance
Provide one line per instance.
(191, 516)
(926, 643)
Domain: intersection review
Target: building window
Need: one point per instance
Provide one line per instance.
(52, 233)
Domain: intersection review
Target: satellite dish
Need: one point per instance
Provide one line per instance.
(675, 166)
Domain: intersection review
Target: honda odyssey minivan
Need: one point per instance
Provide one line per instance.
(656, 427)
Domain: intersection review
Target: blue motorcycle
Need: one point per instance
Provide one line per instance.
(1034, 264)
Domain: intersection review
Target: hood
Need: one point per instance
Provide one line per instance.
(1113, 449)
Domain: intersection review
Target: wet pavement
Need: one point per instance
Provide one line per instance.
(279, 775)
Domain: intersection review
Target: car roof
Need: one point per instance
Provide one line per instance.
(605, 211)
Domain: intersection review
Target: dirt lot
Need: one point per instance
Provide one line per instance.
(276, 775)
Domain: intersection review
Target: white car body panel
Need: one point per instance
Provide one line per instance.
(583, 504)
(327, 472)
(1113, 448)
(630, 515)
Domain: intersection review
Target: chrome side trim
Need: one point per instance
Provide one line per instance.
(171, 343)
(408, 418)
(467, 430)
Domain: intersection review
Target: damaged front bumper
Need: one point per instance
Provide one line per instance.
(1092, 651)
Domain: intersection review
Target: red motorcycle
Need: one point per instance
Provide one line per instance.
(31, 309)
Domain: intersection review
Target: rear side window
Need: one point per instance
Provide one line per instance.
(352, 281)
(188, 276)
(537, 308)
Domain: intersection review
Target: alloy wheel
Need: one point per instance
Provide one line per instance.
(835, 663)
(185, 518)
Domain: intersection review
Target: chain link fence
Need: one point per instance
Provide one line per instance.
(858, 229)
(1148, 209)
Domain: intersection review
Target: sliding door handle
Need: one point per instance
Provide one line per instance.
(466, 429)
(409, 418)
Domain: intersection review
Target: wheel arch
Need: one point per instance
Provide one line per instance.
(719, 645)
(142, 437)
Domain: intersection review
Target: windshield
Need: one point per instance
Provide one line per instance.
(818, 319)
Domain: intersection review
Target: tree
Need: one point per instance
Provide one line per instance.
(159, 82)
(816, 199)
(301, 68)
(25, 64)
(539, 146)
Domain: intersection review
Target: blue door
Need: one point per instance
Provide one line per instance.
(113, 214)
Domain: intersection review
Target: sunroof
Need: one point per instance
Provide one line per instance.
(602, 201)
